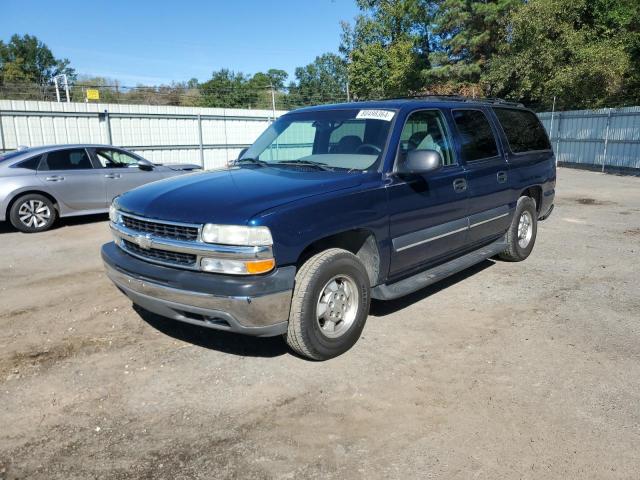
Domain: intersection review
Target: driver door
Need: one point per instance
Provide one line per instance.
(428, 212)
(122, 171)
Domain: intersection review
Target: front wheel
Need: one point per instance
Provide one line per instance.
(330, 305)
(521, 235)
(32, 213)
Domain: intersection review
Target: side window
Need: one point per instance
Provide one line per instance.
(295, 142)
(115, 158)
(476, 137)
(347, 137)
(425, 130)
(523, 130)
(73, 159)
(29, 164)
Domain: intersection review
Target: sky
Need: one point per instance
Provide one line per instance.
(152, 42)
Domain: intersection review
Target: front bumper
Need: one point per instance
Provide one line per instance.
(250, 305)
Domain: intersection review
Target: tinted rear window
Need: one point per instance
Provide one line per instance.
(476, 137)
(74, 159)
(30, 163)
(523, 130)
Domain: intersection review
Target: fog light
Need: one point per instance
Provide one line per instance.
(236, 267)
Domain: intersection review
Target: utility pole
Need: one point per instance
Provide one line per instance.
(273, 101)
(66, 86)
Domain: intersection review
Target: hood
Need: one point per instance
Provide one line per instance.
(229, 196)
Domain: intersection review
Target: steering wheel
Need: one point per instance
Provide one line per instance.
(368, 149)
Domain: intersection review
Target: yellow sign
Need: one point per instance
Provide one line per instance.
(93, 94)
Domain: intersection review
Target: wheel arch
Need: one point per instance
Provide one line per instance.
(535, 192)
(22, 193)
(359, 241)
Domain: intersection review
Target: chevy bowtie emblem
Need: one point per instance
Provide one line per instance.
(144, 241)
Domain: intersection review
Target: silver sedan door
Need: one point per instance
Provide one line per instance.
(123, 171)
(69, 175)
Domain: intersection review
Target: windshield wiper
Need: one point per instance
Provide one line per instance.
(253, 161)
(306, 163)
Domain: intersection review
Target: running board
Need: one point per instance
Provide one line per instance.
(435, 274)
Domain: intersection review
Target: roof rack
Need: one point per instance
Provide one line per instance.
(460, 98)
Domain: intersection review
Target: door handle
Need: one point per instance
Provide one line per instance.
(54, 178)
(112, 175)
(459, 185)
(502, 176)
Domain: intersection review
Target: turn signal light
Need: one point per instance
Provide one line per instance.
(255, 267)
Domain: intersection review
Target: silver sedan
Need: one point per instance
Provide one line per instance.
(38, 185)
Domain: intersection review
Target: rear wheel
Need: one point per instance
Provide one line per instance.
(330, 305)
(32, 213)
(521, 235)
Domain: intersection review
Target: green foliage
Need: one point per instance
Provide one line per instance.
(27, 59)
(388, 47)
(581, 51)
(468, 33)
(324, 80)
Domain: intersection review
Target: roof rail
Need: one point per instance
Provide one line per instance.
(460, 98)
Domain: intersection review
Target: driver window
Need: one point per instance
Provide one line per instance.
(115, 159)
(425, 130)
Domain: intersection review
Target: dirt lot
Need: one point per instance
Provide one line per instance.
(527, 370)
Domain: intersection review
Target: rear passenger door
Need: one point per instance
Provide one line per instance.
(427, 212)
(487, 175)
(69, 175)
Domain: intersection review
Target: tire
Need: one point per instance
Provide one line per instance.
(32, 213)
(325, 284)
(521, 238)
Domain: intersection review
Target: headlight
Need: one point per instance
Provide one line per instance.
(236, 235)
(114, 215)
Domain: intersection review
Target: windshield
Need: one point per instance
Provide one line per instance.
(351, 139)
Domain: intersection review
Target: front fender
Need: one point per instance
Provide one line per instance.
(296, 225)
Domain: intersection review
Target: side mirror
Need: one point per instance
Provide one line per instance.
(145, 166)
(420, 162)
(242, 152)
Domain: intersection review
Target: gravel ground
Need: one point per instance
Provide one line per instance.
(509, 370)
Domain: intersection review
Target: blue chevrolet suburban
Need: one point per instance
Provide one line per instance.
(330, 207)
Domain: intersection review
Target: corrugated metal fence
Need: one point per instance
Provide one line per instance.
(605, 138)
(214, 136)
(206, 136)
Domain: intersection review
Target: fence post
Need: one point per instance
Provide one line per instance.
(106, 119)
(558, 138)
(606, 140)
(200, 140)
(1, 134)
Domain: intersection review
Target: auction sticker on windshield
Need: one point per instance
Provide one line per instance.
(385, 115)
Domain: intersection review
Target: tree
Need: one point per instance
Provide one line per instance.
(322, 81)
(468, 34)
(274, 77)
(388, 47)
(229, 89)
(584, 52)
(27, 59)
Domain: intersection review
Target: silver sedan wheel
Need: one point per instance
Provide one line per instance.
(34, 214)
(337, 306)
(525, 229)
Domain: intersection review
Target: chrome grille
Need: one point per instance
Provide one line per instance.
(165, 230)
(164, 256)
